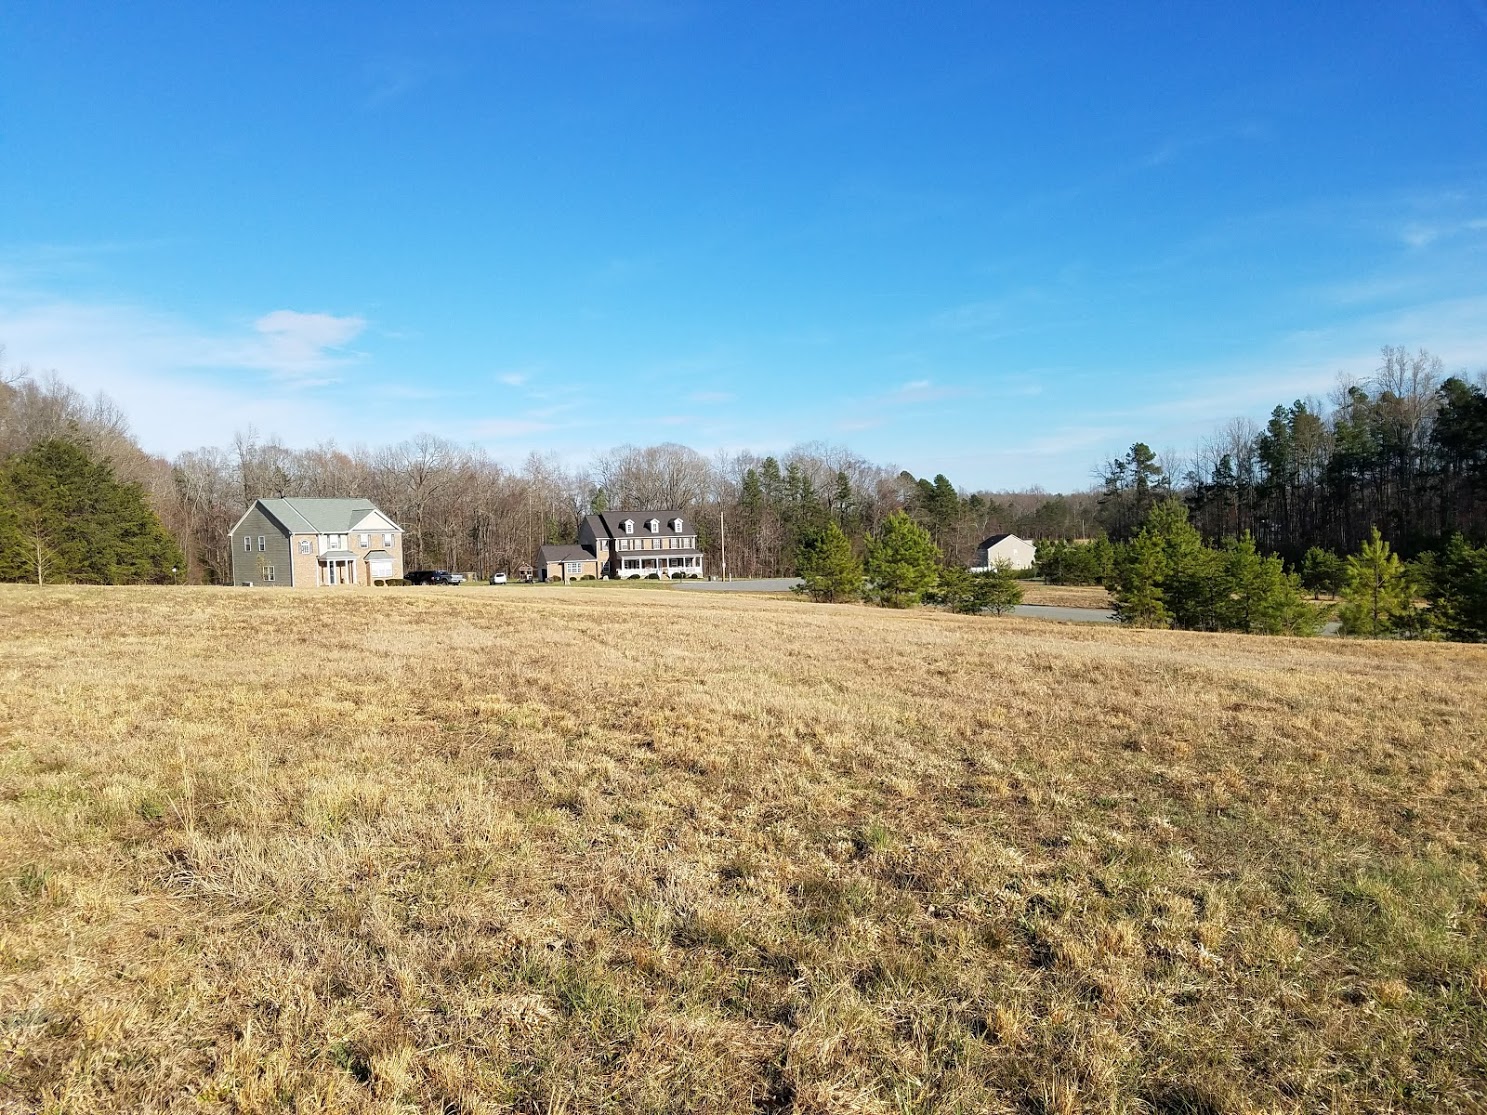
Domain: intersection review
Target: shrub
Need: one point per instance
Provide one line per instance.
(994, 590)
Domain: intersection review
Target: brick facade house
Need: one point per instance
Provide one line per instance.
(310, 543)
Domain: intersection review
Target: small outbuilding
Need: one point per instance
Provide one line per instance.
(1005, 549)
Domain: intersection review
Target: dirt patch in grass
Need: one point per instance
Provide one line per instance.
(556, 850)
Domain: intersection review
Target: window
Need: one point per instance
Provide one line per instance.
(363, 540)
(629, 526)
(247, 543)
(336, 541)
(574, 568)
(262, 543)
(268, 572)
(653, 526)
(304, 545)
(676, 525)
(387, 540)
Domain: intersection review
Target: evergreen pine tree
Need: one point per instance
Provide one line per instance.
(67, 518)
(996, 590)
(1259, 596)
(1139, 599)
(826, 563)
(1193, 588)
(1458, 591)
(1322, 571)
(1376, 594)
(993, 590)
(903, 562)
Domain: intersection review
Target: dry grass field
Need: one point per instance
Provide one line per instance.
(1066, 596)
(548, 850)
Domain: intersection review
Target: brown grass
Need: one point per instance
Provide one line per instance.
(558, 851)
(1066, 596)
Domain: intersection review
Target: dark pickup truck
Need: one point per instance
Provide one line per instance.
(431, 577)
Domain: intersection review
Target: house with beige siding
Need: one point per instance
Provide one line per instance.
(312, 543)
(1005, 549)
(626, 544)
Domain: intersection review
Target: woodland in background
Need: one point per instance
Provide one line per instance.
(463, 510)
(1405, 449)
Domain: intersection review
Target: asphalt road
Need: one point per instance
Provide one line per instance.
(785, 584)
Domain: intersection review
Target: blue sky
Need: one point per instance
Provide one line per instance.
(996, 241)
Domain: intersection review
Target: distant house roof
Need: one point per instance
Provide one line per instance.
(305, 515)
(995, 538)
(611, 524)
(554, 551)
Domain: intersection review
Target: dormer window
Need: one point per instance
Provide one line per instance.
(654, 526)
(676, 525)
(629, 525)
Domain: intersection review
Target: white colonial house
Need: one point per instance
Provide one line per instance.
(1004, 549)
(626, 544)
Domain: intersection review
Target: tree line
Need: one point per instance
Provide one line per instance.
(461, 509)
(1404, 450)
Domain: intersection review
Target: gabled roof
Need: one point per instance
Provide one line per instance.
(556, 551)
(995, 538)
(307, 515)
(611, 524)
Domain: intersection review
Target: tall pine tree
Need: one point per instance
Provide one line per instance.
(903, 562)
(826, 563)
(1376, 595)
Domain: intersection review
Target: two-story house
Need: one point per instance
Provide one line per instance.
(1005, 549)
(623, 544)
(306, 543)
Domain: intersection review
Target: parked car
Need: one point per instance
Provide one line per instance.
(498, 578)
(430, 577)
(456, 579)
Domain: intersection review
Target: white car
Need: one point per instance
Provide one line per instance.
(498, 578)
(456, 578)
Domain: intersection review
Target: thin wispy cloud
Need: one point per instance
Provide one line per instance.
(513, 379)
(924, 391)
(502, 428)
(301, 345)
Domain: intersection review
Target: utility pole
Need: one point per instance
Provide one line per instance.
(723, 537)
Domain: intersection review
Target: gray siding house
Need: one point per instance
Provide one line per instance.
(309, 543)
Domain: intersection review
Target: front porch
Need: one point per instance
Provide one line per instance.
(337, 567)
(667, 565)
